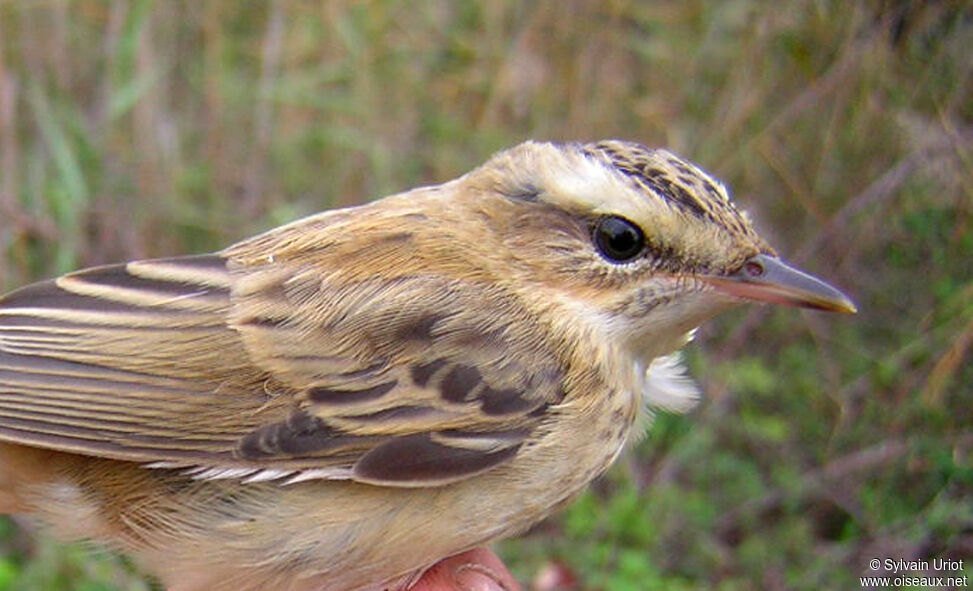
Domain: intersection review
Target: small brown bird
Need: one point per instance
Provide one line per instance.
(339, 403)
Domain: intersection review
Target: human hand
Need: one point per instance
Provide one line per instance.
(475, 570)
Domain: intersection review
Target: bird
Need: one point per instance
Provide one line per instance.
(341, 402)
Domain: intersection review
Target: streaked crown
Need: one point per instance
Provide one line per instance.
(690, 225)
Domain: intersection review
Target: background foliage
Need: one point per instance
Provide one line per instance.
(137, 129)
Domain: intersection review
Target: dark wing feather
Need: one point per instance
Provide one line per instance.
(416, 380)
(273, 370)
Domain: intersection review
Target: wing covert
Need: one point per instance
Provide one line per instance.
(414, 381)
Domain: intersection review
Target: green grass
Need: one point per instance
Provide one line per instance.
(139, 129)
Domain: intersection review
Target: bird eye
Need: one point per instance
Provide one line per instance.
(618, 239)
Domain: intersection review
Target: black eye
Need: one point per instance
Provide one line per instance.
(618, 239)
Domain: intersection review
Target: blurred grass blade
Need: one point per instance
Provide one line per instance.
(65, 156)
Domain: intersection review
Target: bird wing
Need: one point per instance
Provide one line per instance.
(126, 361)
(273, 370)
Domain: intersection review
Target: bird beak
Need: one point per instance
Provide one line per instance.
(768, 279)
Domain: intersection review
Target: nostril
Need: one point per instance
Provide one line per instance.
(753, 269)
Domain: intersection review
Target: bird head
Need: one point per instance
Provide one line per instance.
(637, 240)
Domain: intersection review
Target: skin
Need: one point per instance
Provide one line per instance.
(476, 570)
